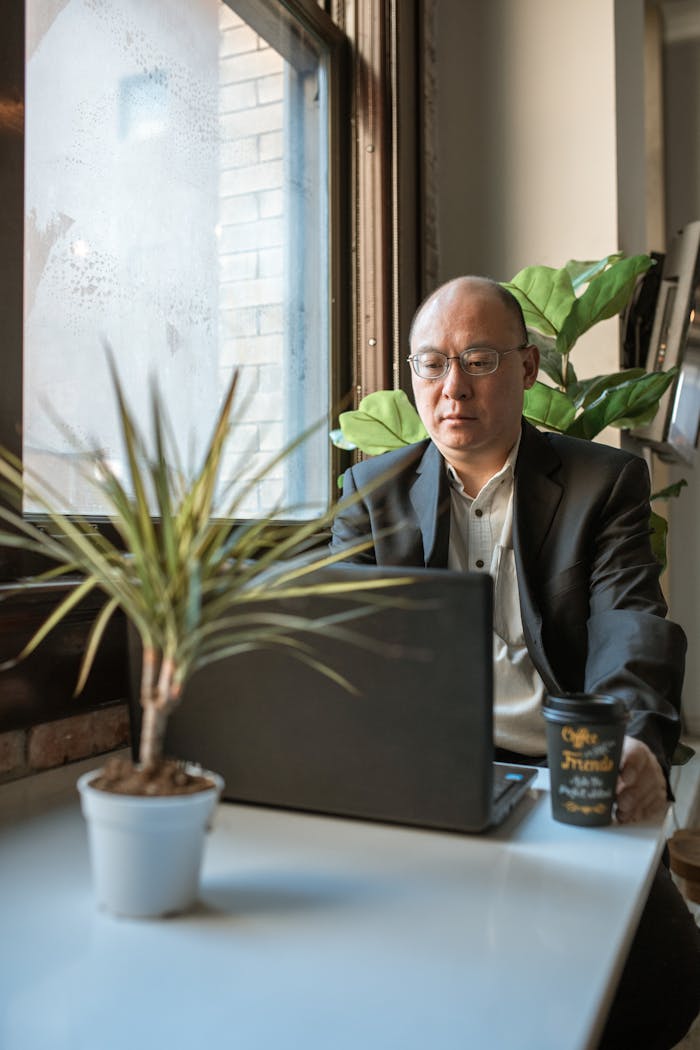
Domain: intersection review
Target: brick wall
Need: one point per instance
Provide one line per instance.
(42, 723)
(52, 744)
(251, 241)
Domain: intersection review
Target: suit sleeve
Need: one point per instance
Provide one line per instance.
(633, 651)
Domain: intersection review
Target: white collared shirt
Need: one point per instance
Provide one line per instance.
(481, 540)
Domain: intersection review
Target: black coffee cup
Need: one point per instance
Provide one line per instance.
(584, 742)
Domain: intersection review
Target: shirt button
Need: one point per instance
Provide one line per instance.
(478, 513)
(479, 564)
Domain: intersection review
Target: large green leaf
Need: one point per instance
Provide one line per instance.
(545, 295)
(383, 421)
(671, 491)
(547, 407)
(606, 294)
(340, 441)
(559, 369)
(639, 419)
(682, 754)
(551, 362)
(581, 272)
(586, 391)
(627, 402)
(659, 532)
(553, 307)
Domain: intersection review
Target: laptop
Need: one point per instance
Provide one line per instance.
(413, 744)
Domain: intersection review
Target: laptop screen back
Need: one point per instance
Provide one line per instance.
(413, 745)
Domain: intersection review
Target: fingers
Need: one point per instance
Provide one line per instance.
(641, 786)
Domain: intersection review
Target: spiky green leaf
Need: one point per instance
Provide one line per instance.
(176, 580)
(97, 630)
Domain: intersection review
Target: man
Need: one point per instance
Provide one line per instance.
(563, 527)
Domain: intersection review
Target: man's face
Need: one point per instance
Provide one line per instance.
(472, 419)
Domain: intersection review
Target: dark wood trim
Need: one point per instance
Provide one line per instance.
(11, 219)
(406, 180)
(372, 228)
(41, 688)
(386, 171)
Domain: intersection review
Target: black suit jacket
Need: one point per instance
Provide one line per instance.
(592, 609)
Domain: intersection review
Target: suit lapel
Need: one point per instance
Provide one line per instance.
(537, 493)
(536, 498)
(429, 497)
(536, 501)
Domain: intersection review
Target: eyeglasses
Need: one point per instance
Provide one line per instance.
(476, 361)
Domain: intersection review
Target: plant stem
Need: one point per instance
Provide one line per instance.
(153, 720)
(152, 734)
(149, 664)
(157, 700)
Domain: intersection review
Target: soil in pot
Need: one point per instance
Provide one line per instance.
(120, 776)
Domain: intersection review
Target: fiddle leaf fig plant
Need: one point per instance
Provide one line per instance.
(384, 420)
(659, 525)
(559, 306)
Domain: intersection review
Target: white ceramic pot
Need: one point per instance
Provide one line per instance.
(146, 853)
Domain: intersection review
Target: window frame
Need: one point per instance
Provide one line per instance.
(108, 684)
(388, 219)
(263, 15)
(377, 229)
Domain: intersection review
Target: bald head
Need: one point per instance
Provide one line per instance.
(473, 417)
(471, 289)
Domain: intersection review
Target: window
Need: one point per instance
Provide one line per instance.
(192, 196)
(179, 201)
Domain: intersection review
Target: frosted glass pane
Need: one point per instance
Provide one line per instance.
(176, 209)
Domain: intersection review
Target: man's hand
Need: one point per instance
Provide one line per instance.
(641, 785)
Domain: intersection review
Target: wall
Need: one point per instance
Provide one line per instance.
(541, 154)
(521, 125)
(515, 116)
(682, 177)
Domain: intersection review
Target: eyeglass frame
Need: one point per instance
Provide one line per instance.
(460, 356)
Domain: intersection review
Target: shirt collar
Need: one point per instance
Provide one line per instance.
(507, 471)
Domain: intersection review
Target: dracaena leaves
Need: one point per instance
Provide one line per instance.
(180, 573)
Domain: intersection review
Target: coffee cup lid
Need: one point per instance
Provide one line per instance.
(593, 707)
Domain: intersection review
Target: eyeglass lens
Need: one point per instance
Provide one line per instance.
(434, 365)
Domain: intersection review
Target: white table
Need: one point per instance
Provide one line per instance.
(328, 933)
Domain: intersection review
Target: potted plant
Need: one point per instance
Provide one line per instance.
(190, 583)
(558, 305)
